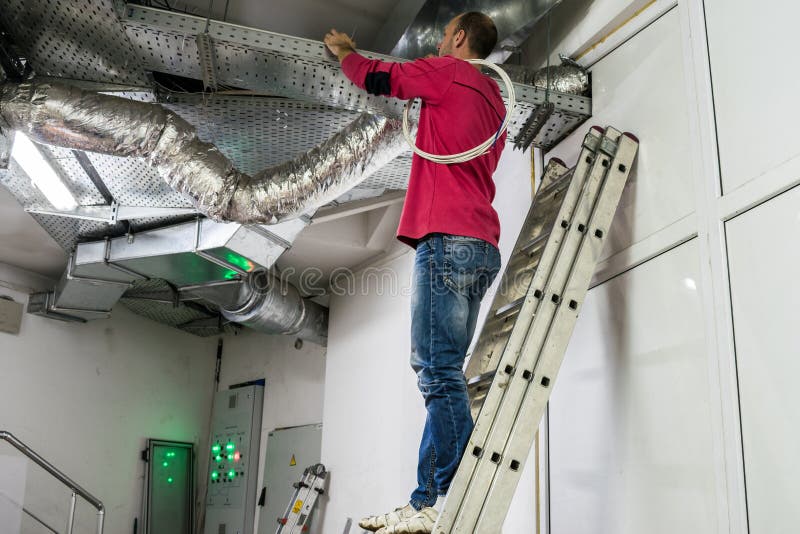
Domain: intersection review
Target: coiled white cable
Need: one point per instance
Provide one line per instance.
(479, 150)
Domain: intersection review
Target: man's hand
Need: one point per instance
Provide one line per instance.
(339, 43)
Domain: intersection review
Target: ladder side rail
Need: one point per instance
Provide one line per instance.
(315, 491)
(284, 522)
(462, 481)
(539, 221)
(302, 497)
(502, 489)
(524, 358)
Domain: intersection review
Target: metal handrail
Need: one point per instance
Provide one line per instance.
(61, 477)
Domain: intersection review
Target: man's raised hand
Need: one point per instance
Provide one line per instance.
(340, 44)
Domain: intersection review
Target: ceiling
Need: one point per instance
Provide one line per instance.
(69, 41)
(324, 246)
(372, 21)
(25, 244)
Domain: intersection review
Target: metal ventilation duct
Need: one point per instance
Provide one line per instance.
(270, 305)
(514, 20)
(70, 117)
(201, 258)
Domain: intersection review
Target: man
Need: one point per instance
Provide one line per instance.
(449, 219)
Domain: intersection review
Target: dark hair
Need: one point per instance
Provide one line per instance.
(480, 31)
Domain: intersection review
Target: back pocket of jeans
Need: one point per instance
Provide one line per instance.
(464, 263)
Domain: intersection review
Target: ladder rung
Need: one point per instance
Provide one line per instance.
(511, 308)
(477, 381)
(556, 184)
(535, 241)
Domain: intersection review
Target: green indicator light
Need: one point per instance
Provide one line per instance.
(230, 447)
(230, 457)
(216, 448)
(170, 480)
(218, 457)
(170, 455)
(231, 474)
(214, 475)
(165, 463)
(239, 261)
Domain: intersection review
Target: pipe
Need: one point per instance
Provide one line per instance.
(66, 116)
(269, 305)
(569, 77)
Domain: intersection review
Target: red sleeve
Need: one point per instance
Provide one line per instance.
(428, 79)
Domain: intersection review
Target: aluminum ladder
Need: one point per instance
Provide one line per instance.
(526, 333)
(310, 486)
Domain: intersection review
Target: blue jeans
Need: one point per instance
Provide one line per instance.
(451, 275)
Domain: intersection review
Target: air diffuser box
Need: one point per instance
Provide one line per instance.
(10, 315)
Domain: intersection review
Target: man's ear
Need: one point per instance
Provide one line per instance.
(460, 38)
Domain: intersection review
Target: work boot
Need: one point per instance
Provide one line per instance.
(376, 522)
(420, 523)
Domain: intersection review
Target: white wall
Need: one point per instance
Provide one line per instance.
(373, 412)
(87, 396)
(639, 88)
(631, 444)
(675, 384)
(755, 95)
(294, 381)
(764, 267)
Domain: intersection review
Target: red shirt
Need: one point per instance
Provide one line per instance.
(461, 108)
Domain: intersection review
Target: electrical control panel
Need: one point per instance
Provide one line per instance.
(233, 460)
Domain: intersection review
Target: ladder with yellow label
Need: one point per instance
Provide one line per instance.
(296, 518)
(527, 330)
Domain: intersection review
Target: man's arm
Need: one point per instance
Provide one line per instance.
(428, 79)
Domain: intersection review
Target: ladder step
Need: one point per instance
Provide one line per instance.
(538, 240)
(510, 309)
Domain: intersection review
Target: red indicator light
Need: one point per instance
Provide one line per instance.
(236, 456)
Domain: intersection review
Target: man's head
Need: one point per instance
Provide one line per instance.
(469, 35)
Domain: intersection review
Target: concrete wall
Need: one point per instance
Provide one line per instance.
(86, 397)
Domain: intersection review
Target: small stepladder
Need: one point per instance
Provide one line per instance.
(307, 489)
(527, 330)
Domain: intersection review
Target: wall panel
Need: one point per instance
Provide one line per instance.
(640, 88)
(751, 45)
(630, 433)
(764, 257)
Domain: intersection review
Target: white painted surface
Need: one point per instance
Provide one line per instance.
(755, 92)
(630, 434)
(374, 414)
(574, 26)
(25, 244)
(764, 263)
(640, 88)
(86, 397)
(13, 474)
(294, 382)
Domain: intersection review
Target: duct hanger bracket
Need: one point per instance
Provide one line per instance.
(208, 61)
(115, 212)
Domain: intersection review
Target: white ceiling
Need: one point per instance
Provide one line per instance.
(25, 244)
(342, 245)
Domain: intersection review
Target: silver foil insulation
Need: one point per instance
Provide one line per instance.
(66, 116)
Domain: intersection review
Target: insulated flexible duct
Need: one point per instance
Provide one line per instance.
(569, 77)
(66, 116)
(269, 305)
